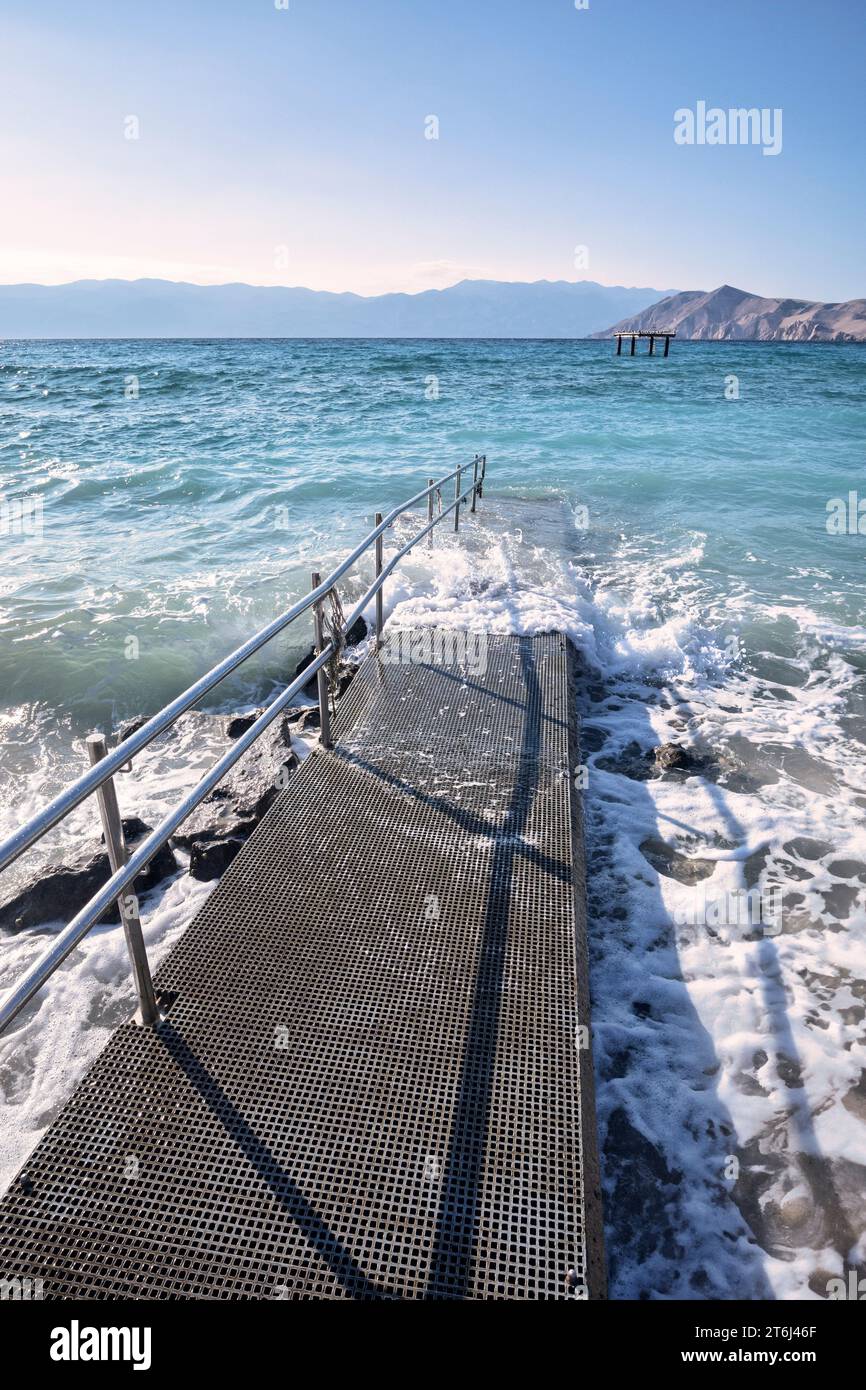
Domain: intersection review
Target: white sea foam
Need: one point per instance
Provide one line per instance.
(716, 1052)
(713, 1048)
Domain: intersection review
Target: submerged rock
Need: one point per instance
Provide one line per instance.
(60, 888)
(356, 633)
(238, 724)
(668, 759)
(643, 1187)
(674, 757)
(631, 761)
(132, 726)
(309, 718)
(234, 807)
(228, 815)
(794, 1200)
(347, 671)
(213, 834)
(805, 848)
(209, 859)
(672, 864)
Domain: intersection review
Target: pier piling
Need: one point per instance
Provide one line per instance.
(651, 333)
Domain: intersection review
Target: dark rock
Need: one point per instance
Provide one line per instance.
(618, 1063)
(848, 868)
(795, 1201)
(840, 899)
(60, 889)
(672, 864)
(591, 738)
(821, 1281)
(673, 757)
(302, 666)
(670, 758)
(131, 726)
(309, 718)
(238, 724)
(134, 829)
(209, 859)
(357, 632)
(643, 1187)
(631, 761)
(237, 804)
(805, 848)
(348, 671)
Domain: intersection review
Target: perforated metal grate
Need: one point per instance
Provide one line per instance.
(369, 1083)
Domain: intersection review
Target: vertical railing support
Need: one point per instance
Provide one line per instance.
(115, 843)
(380, 621)
(474, 481)
(457, 494)
(483, 471)
(430, 482)
(321, 678)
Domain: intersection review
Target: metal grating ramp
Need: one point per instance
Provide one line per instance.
(369, 1083)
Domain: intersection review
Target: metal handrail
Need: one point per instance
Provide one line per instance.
(35, 976)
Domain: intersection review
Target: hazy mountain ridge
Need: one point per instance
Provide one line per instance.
(729, 313)
(178, 309)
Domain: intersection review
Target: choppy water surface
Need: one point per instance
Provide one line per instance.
(163, 499)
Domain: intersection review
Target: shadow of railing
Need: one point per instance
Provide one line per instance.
(283, 1186)
(811, 1161)
(673, 1228)
(457, 1227)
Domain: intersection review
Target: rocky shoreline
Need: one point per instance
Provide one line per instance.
(218, 828)
(212, 835)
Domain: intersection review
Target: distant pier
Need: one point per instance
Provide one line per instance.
(651, 333)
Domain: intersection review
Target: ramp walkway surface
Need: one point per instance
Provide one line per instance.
(372, 1079)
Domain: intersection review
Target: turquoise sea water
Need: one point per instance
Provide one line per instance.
(159, 512)
(672, 516)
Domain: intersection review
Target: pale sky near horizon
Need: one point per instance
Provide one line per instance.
(287, 146)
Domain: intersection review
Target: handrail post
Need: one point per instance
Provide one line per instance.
(60, 805)
(474, 481)
(321, 679)
(380, 622)
(115, 843)
(127, 866)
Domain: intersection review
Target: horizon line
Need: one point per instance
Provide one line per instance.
(407, 294)
(354, 294)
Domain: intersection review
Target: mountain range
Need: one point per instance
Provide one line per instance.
(728, 313)
(470, 309)
(175, 309)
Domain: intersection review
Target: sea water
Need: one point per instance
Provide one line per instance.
(679, 518)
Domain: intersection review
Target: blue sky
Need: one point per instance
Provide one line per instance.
(287, 146)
